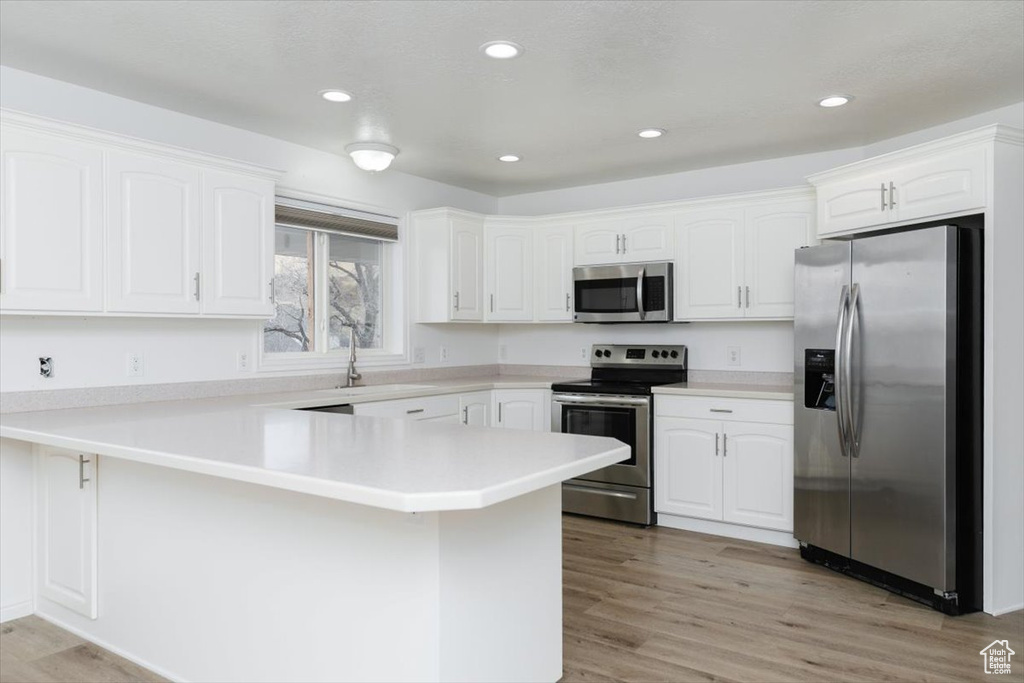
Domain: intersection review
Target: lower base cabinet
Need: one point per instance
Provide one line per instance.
(507, 408)
(475, 409)
(66, 564)
(527, 409)
(729, 471)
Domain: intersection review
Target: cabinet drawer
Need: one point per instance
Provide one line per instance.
(726, 409)
(425, 408)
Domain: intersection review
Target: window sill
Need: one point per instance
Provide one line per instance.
(281, 362)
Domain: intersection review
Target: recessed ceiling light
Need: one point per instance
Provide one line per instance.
(651, 133)
(502, 49)
(509, 158)
(335, 95)
(835, 100)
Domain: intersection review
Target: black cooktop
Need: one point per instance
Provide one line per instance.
(589, 386)
(631, 370)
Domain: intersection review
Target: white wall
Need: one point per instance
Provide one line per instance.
(92, 351)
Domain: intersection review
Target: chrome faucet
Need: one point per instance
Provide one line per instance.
(351, 377)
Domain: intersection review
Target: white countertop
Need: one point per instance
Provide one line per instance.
(781, 392)
(394, 464)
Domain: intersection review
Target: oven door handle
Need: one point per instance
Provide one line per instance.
(601, 400)
(600, 492)
(640, 294)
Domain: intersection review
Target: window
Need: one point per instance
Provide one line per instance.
(330, 274)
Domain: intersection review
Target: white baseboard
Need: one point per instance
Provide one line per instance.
(111, 648)
(1006, 610)
(16, 611)
(746, 533)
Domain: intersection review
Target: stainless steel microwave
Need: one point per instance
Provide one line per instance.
(627, 293)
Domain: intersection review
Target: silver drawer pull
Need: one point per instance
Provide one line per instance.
(82, 462)
(720, 410)
(416, 410)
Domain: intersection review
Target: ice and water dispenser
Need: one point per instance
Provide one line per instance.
(819, 379)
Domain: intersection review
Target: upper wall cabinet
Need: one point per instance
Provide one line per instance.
(96, 223)
(51, 237)
(508, 269)
(933, 180)
(553, 273)
(448, 248)
(632, 239)
(736, 260)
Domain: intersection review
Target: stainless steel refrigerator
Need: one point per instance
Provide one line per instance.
(888, 410)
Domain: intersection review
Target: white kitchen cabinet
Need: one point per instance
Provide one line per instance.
(508, 265)
(66, 528)
(629, 239)
(709, 264)
(553, 273)
(725, 460)
(153, 235)
(772, 233)
(475, 409)
(940, 178)
(688, 467)
(758, 475)
(238, 244)
(448, 248)
(527, 409)
(51, 235)
(467, 269)
(443, 408)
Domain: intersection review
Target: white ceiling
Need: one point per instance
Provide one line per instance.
(730, 81)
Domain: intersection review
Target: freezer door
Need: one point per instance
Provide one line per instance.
(821, 495)
(903, 348)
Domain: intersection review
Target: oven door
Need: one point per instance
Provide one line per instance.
(635, 292)
(626, 418)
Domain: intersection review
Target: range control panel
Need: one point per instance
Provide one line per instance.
(621, 354)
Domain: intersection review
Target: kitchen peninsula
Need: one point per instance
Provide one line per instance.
(229, 539)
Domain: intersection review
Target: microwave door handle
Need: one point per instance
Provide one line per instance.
(640, 294)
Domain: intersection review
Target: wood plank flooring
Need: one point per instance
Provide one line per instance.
(666, 605)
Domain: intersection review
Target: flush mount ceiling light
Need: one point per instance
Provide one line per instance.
(501, 49)
(372, 156)
(333, 95)
(651, 133)
(834, 101)
(508, 158)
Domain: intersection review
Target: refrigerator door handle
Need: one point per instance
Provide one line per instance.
(840, 378)
(851, 317)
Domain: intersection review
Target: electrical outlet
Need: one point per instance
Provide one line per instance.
(444, 354)
(136, 364)
(502, 352)
(243, 361)
(584, 353)
(732, 356)
(419, 355)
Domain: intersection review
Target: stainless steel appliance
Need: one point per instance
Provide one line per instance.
(616, 402)
(887, 410)
(628, 293)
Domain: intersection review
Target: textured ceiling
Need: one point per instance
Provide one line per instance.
(730, 81)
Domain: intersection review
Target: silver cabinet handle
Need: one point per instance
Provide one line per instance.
(720, 410)
(640, 293)
(618, 239)
(748, 297)
(567, 309)
(492, 303)
(456, 301)
(195, 279)
(851, 318)
(623, 244)
(725, 445)
(716, 444)
(840, 383)
(739, 297)
(273, 291)
(414, 411)
(892, 195)
(499, 412)
(465, 415)
(81, 471)
(883, 196)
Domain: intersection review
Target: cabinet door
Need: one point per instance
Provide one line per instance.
(773, 233)
(688, 467)
(944, 183)
(66, 528)
(475, 409)
(521, 409)
(553, 275)
(648, 238)
(850, 204)
(238, 245)
(509, 270)
(709, 265)
(758, 460)
(467, 269)
(152, 235)
(51, 235)
(596, 243)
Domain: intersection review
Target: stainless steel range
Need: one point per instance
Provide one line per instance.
(616, 401)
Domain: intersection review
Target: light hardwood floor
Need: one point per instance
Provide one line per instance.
(665, 605)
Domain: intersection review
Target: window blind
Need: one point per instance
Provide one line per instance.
(347, 223)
